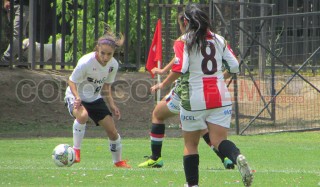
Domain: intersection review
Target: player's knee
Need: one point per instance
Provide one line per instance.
(216, 141)
(113, 135)
(158, 116)
(155, 116)
(82, 117)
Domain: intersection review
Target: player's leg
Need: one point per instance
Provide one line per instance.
(79, 125)
(192, 125)
(159, 114)
(218, 124)
(168, 107)
(79, 129)
(230, 150)
(114, 141)
(191, 157)
(101, 115)
(12, 50)
(227, 163)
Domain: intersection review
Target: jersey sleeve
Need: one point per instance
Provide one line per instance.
(112, 72)
(180, 57)
(78, 74)
(230, 61)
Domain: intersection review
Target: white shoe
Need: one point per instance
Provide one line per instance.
(246, 173)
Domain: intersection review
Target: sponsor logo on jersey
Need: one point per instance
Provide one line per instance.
(95, 81)
(187, 118)
(89, 79)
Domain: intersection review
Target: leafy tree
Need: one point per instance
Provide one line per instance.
(111, 15)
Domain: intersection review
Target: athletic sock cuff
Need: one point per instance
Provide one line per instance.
(115, 141)
(79, 125)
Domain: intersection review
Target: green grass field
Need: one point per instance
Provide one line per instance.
(285, 159)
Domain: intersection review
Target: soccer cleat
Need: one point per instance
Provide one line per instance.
(228, 164)
(122, 164)
(77, 152)
(150, 163)
(245, 171)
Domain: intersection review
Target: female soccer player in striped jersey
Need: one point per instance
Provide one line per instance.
(205, 99)
(170, 106)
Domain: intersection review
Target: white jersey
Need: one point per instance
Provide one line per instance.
(89, 76)
(202, 84)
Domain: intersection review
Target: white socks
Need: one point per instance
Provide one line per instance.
(78, 134)
(116, 149)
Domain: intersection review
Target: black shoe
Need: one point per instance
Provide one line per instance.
(4, 62)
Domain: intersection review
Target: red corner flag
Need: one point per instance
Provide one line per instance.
(155, 52)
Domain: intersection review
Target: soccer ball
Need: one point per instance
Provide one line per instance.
(63, 155)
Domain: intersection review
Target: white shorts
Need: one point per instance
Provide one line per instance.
(69, 102)
(173, 102)
(197, 120)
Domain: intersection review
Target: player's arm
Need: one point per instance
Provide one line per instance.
(178, 48)
(226, 75)
(168, 81)
(108, 97)
(230, 60)
(73, 88)
(164, 70)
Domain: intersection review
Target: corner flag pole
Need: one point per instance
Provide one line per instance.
(159, 81)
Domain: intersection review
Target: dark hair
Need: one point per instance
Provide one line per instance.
(180, 20)
(181, 17)
(198, 26)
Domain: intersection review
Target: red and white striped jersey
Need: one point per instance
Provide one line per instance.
(203, 85)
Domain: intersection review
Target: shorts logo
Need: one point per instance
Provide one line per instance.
(174, 106)
(227, 112)
(187, 118)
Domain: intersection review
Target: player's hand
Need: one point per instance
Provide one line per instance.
(157, 71)
(77, 103)
(156, 87)
(116, 111)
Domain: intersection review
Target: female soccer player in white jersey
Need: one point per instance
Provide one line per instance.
(94, 73)
(205, 99)
(170, 106)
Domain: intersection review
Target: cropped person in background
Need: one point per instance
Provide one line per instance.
(5, 58)
(89, 87)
